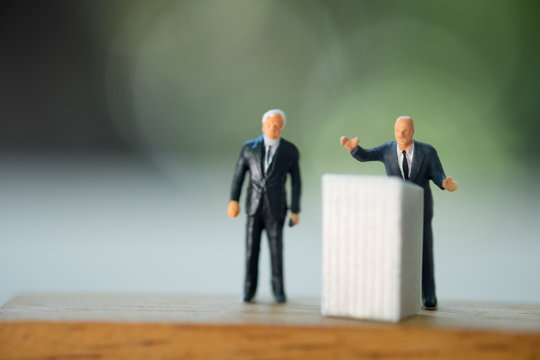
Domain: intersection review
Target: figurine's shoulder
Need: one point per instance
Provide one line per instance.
(425, 150)
(424, 146)
(253, 143)
(387, 146)
(289, 146)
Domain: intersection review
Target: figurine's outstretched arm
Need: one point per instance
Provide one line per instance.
(349, 144)
(449, 184)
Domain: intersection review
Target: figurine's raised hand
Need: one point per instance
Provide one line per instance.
(350, 144)
(233, 209)
(449, 184)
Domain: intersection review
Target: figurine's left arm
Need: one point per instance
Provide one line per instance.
(296, 188)
(233, 209)
(438, 176)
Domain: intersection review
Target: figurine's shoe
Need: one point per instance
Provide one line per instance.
(247, 298)
(430, 303)
(280, 298)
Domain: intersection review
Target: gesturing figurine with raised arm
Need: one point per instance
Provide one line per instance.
(416, 162)
(268, 159)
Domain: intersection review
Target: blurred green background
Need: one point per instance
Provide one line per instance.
(121, 123)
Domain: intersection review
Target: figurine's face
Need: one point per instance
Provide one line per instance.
(404, 132)
(272, 126)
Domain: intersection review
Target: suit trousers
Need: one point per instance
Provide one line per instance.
(428, 276)
(263, 219)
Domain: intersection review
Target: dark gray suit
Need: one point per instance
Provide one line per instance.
(266, 204)
(425, 166)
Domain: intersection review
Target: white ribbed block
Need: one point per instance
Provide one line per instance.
(372, 247)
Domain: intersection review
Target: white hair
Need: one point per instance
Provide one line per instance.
(274, 112)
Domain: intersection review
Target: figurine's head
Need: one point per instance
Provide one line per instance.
(273, 122)
(404, 132)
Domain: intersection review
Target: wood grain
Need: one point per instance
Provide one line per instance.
(191, 327)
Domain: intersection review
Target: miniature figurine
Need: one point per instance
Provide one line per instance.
(418, 163)
(268, 159)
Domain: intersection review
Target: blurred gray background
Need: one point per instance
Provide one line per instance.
(121, 122)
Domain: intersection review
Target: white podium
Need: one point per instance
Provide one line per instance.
(372, 247)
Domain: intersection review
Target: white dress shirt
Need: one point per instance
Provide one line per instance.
(409, 155)
(270, 147)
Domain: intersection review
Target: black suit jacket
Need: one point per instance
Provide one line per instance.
(271, 184)
(425, 166)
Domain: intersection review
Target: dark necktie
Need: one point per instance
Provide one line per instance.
(405, 165)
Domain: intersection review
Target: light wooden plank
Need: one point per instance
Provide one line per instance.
(202, 327)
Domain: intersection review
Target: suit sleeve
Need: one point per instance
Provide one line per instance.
(296, 183)
(239, 174)
(436, 172)
(361, 154)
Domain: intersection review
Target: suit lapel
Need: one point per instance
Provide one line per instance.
(276, 158)
(418, 159)
(259, 155)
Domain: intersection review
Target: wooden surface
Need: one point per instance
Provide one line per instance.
(190, 327)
